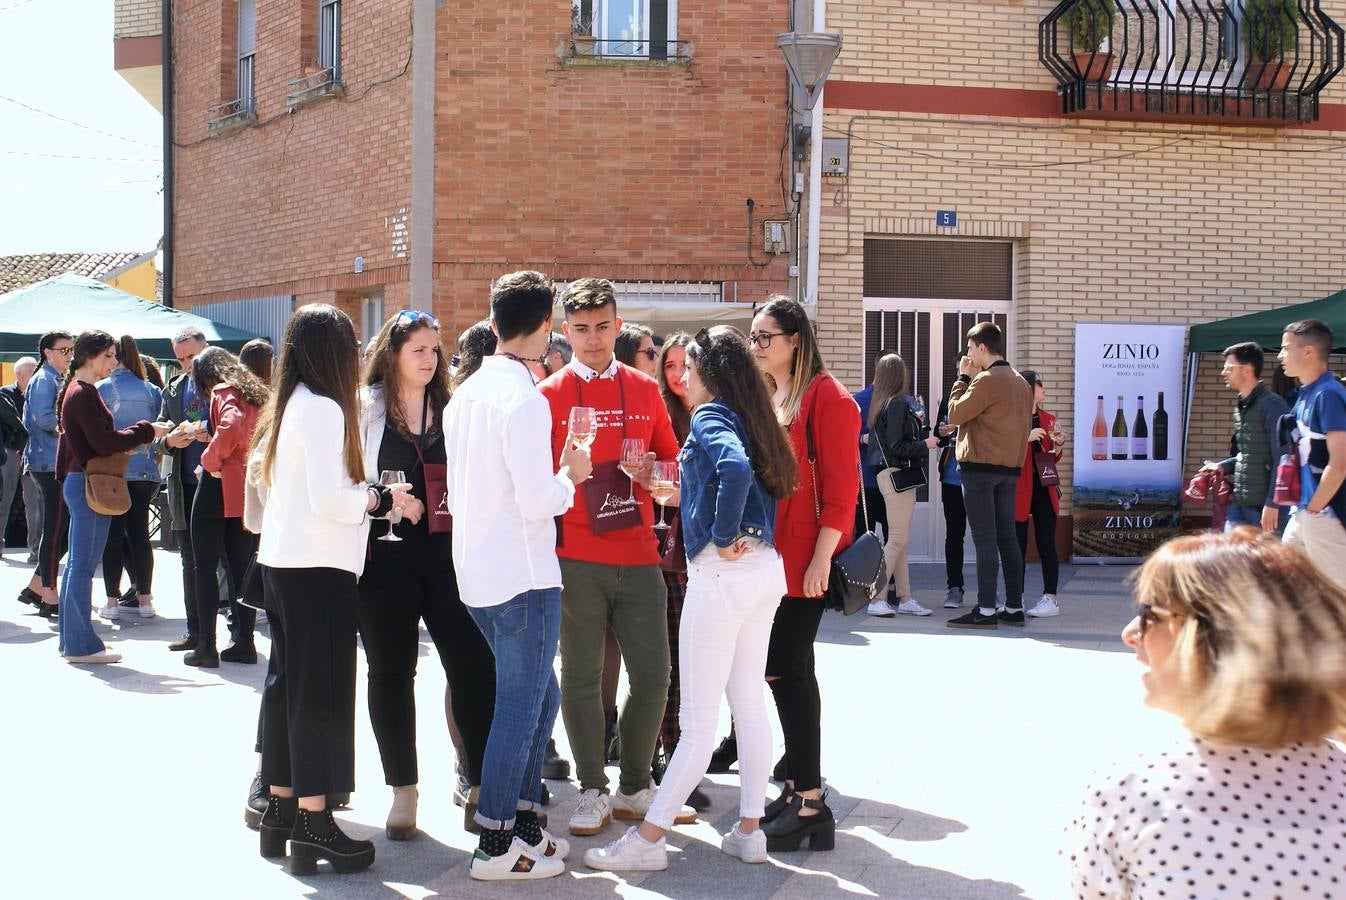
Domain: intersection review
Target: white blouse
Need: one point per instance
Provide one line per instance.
(1202, 820)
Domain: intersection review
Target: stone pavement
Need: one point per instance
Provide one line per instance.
(954, 759)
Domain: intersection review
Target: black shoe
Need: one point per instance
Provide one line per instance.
(187, 643)
(546, 796)
(129, 599)
(340, 800)
(316, 836)
(698, 800)
(31, 597)
(612, 741)
(255, 808)
(202, 658)
(973, 619)
(553, 764)
(789, 829)
(48, 610)
(782, 768)
(239, 653)
(1012, 616)
(277, 820)
(777, 806)
(724, 757)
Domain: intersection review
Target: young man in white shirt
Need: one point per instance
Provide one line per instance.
(504, 497)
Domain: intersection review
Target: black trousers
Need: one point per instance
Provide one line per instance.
(134, 525)
(308, 698)
(790, 662)
(395, 596)
(1043, 518)
(184, 540)
(55, 528)
(955, 530)
(215, 539)
(989, 499)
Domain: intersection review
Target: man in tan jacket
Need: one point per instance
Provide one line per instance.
(992, 407)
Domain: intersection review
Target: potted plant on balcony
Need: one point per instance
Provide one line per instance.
(1090, 23)
(1270, 31)
(581, 31)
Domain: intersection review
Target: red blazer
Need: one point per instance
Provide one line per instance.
(1023, 495)
(226, 456)
(830, 412)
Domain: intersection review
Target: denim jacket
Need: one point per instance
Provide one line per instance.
(722, 498)
(39, 417)
(130, 401)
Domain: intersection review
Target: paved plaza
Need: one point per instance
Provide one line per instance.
(954, 760)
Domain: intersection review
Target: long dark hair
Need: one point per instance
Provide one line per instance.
(678, 412)
(890, 380)
(725, 365)
(153, 374)
(128, 354)
(256, 356)
(88, 345)
(382, 366)
(320, 351)
(808, 360)
(214, 366)
(474, 345)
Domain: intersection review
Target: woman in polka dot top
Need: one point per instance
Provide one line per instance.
(1245, 641)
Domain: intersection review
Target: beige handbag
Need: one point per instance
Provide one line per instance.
(105, 484)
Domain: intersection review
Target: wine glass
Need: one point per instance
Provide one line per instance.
(632, 462)
(918, 407)
(583, 426)
(663, 482)
(392, 476)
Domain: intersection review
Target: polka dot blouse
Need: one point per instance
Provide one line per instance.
(1204, 820)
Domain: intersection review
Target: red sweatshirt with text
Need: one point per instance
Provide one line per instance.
(645, 417)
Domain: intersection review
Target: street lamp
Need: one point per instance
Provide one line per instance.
(809, 56)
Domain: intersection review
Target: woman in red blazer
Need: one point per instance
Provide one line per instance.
(1039, 502)
(812, 526)
(217, 532)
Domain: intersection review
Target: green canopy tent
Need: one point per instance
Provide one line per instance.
(75, 303)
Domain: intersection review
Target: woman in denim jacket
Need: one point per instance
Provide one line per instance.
(735, 464)
(131, 398)
(39, 461)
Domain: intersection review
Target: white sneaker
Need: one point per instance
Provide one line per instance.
(110, 612)
(518, 864)
(102, 656)
(550, 847)
(879, 607)
(592, 814)
(634, 807)
(629, 853)
(954, 599)
(1045, 608)
(909, 607)
(751, 848)
(146, 610)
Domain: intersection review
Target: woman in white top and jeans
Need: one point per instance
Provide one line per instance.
(313, 546)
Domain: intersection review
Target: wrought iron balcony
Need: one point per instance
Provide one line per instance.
(225, 117)
(1241, 60)
(317, 81)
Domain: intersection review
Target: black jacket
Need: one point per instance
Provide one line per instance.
(13, 436)
(896, 440)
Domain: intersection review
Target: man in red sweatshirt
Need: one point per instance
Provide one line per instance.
(610, 560)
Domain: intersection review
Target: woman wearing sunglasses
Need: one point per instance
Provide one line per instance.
(1244, 640)
(735, 464)
(635, 348)
(410, 580)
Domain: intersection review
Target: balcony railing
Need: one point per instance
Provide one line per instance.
(230, 115)
(1244, 60)
(319, 81)
(584, 46)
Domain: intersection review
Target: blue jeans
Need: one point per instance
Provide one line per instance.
(88, 535)
(522, 633)
(1237, 515)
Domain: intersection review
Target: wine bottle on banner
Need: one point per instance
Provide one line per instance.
(1159, 431)
(1140, 433)
(1100, 432)
(1119, 445)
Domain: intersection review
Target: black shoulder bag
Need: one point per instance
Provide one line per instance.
(857, 572)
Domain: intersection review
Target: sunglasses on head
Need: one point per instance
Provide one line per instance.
(412, 316)
(700, 341)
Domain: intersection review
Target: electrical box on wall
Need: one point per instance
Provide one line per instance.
(776, 236)
(836, 156)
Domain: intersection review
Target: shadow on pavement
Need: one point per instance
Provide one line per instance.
(124, 678)
(21, 633)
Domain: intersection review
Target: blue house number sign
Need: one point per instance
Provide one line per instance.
(946, 218)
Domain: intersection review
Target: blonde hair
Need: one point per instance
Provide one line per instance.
(1260, 650)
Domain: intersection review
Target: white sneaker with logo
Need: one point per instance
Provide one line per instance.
(634, 807)
(629, 853)
(751, 848)
(550, 847)
(879, 607)
(1045, 608)
(517, 864)
(592, 813)
(909, 607)
(146, 609)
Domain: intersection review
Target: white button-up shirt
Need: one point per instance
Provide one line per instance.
(502, 491)
(589, 374)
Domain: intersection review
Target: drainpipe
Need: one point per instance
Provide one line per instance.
(166, 101)
(422, 155)
(815, 170)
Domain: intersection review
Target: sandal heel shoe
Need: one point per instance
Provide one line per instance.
(788, 830)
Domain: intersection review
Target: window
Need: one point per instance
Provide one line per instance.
(632, 28)
(329, 37)
(371, 316)
(247, 51)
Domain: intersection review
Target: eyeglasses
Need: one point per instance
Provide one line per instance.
(1152, 615)
(64, 351)
(762, 339)
(412, 316)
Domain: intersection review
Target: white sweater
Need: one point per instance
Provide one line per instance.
(315, 513)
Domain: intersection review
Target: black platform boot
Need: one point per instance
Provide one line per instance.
(316, 836)
(785, 832)
(276, 824)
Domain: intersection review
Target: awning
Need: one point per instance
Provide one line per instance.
(1267, 326)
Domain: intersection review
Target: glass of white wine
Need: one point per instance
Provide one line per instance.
(392, 476)
(583, 426)
(663, 483)
(632, 461)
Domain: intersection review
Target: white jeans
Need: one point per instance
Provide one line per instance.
(722, 649)
(1323, 538)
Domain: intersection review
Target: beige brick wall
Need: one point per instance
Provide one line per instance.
(137, 18)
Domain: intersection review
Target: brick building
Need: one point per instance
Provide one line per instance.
(405, 153)
(1144, 193)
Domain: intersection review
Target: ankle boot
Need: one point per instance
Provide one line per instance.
(401, 825)
(785, 832)
(554, 766)
(778, 806)
(316, 836)
(276, 824)
(205, 656)
(724, 756)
